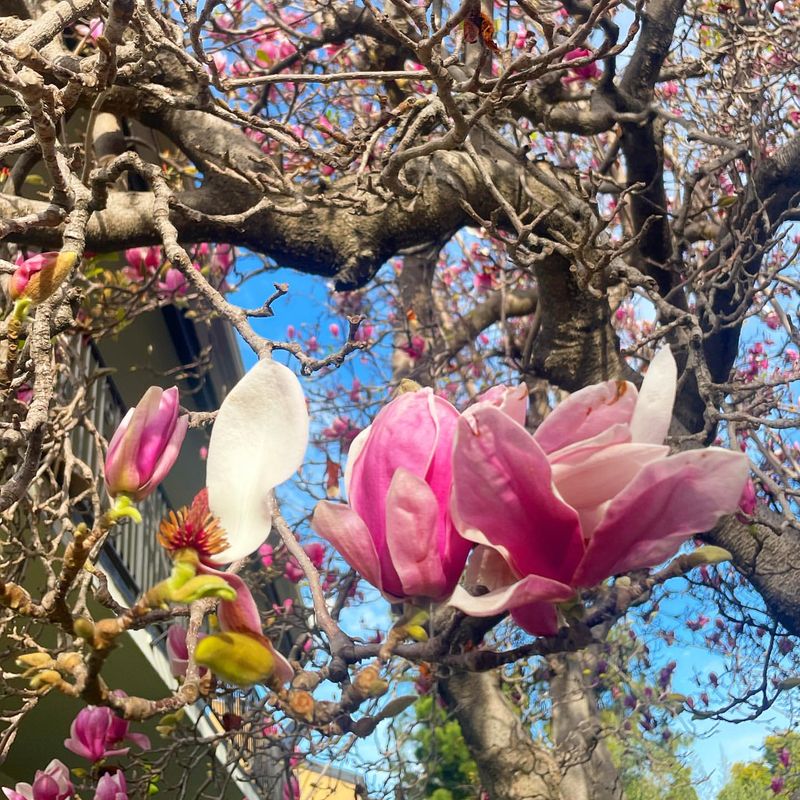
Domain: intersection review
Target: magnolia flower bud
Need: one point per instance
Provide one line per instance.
(37, 277)
(302, 703)
(369, 683)
(146, 445)
(238, 658)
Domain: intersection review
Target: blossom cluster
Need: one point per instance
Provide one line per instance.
(591, 494)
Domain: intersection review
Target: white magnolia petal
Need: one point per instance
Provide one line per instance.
(258, 441)
(653, 412)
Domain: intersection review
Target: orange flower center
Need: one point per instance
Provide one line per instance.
(193, 527)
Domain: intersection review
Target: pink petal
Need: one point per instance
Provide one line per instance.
(653, 414)
(415, 431)
(170, 453)
(586, 413)
(531, 589)
(668, 501)
(503, 497)
(356, 446)
(604, 474)
(157, 419)
(348, 534)
(240, 615)
(412, 522)
(539, 619)
(510, 400)
(579, 451)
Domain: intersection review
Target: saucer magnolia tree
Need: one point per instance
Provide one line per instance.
(538, 437)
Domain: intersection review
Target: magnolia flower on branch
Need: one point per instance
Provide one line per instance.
(259, 440)
(591, 494)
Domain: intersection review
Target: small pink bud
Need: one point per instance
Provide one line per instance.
(145, 445)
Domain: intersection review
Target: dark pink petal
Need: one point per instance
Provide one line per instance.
(44, 787)
(169, 455)
(411, 537)
(158, 416)
(415, 431)
(346, 531)
(586, 413)
(668, 501)
(503, 497)
(539, 619)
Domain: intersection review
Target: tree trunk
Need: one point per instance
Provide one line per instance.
(511, 764)
(589, 773)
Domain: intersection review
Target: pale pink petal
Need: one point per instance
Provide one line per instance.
(510, 400)
(577, 452)
(356, 446)
(348, 534)
(503, 497)
(668, 501)
(653, 414)
(412, 522)
(586, 413)
(531, 589)
(604, 474)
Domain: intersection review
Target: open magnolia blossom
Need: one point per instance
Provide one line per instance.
(591, 494)
(97, 733)
(397, 530)
(112, 786)
(194, 534)
(259, 439)
(52, 783)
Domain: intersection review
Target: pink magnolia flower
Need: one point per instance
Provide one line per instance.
(145, 445)
(96, 733)
(582, 73)
(143, 262)
(397, 530)
(265, 551)
(174, 283)
(196, 528)
(593, 493)
(94, 30)
(112, 787)
(52, 783)
(747, 502)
